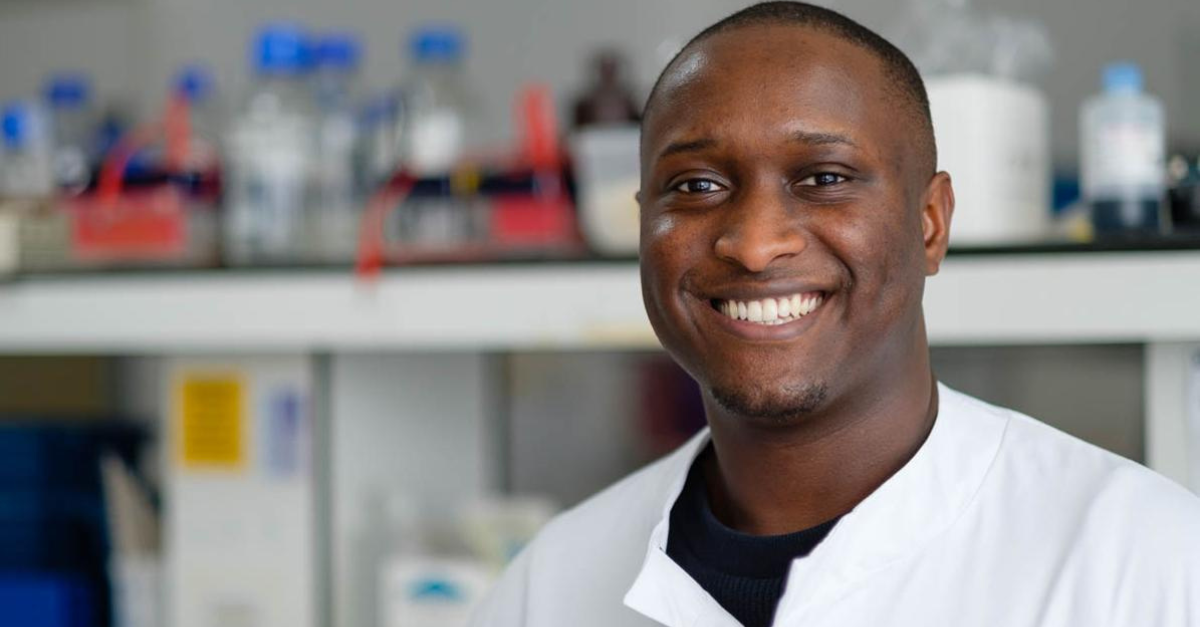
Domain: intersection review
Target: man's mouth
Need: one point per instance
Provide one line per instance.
(771, 311)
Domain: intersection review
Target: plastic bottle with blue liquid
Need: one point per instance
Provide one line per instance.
(1123, 155)
(271, 188)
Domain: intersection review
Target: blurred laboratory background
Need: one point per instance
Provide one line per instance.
(313, 312)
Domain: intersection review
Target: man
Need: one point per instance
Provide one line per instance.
(791, 211)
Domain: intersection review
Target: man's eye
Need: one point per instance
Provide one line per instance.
(823, 179)
(698, 186)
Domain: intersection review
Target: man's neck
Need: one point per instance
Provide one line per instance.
(769, 481)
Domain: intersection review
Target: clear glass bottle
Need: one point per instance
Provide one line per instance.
(1123, 155)
(438, 104)
(439, 111)
(26, 160)
(73, 129)
(334, 228)
(272, 154)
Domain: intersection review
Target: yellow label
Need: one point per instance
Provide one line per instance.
(211, 421)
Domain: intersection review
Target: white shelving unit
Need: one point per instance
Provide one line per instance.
(976, 300)
(407, 389)
(1151, 298)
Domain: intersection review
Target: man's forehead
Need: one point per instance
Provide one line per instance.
(768, 73)
(758, 49)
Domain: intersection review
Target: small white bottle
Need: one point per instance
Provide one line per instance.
(272, 154)
(1123, 155)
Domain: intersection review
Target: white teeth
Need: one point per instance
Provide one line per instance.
(755, 309)
(771, 311)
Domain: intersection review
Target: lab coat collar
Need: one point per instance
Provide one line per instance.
(900, 518)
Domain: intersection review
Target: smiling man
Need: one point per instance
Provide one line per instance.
(791, 212)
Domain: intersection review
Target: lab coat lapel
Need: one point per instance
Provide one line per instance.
(904, 514)
(662, 590)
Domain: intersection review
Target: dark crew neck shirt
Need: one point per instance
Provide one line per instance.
(744, 573)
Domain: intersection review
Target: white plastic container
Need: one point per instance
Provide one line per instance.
(272, 154)
(606, 164)
(1123, 154)
(431, 591)
(993, 138)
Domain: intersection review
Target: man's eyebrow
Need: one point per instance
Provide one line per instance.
(804, 137)
(821, 139)
(691, 145)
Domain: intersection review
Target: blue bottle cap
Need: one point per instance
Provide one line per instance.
(68, 90)
(195, 83)
(1122, 76)
(16, 123)
(438, 44)
(282, 49)
(340, 51)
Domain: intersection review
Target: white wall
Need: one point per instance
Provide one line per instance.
(574, 422)
(132, 45)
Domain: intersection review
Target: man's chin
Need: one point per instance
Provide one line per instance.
(782, 405)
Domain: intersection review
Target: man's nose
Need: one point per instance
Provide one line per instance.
(759, 229)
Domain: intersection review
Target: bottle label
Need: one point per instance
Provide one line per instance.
(1124, 156)
(436, 141)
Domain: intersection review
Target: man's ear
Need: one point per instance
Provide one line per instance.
(937, 208)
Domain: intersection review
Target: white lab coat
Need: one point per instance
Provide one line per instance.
(998, 520)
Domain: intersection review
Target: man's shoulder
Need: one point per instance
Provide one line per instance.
(1049, 473)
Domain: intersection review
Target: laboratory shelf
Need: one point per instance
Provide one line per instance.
(978, 299)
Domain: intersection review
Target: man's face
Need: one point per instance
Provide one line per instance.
(782, 248)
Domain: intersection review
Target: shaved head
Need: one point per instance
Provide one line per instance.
(904, 83)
